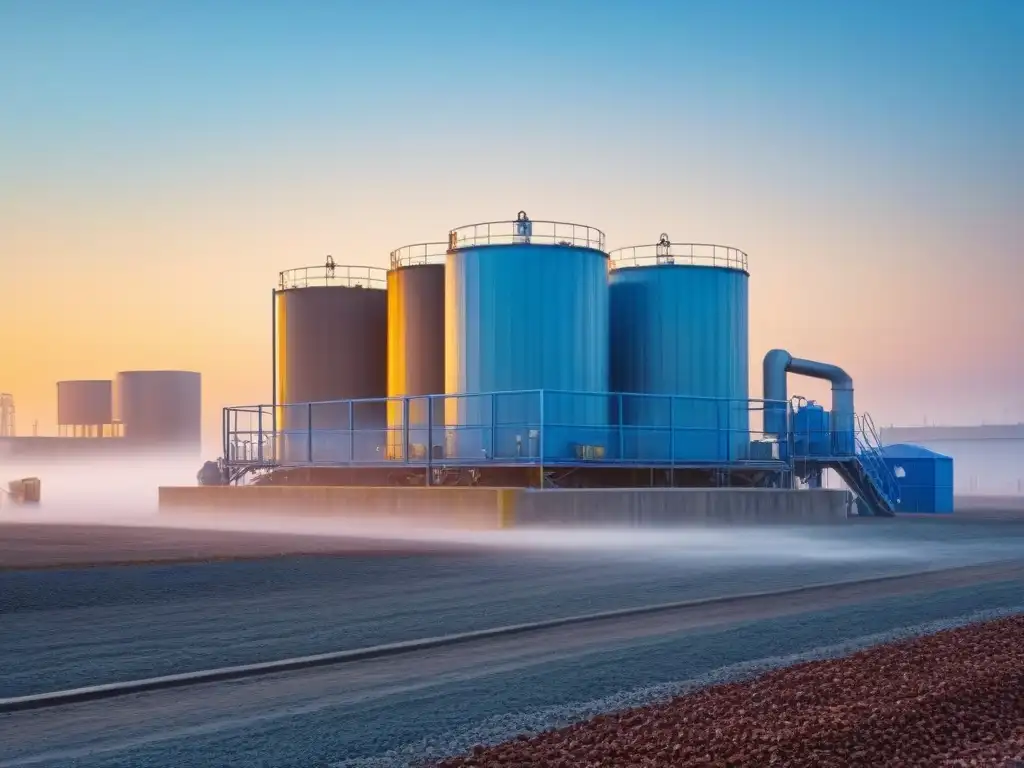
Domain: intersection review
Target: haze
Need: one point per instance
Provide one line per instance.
(125, 494)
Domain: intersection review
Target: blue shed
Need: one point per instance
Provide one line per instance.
(925, 478)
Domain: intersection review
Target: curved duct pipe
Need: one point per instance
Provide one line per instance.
(778, 363)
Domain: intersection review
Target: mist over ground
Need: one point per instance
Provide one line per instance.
(124, 493)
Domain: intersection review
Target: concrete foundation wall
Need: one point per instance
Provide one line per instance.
(674, 506)
(474, 508)
(490, 508)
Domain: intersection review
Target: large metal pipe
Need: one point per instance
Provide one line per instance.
(777, 364)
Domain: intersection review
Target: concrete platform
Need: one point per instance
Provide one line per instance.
(493, 508)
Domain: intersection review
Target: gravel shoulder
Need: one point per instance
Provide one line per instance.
(955, 698)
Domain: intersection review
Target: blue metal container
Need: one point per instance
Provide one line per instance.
(811, 435)
(526, 308)
(678, 326)
(925, 478)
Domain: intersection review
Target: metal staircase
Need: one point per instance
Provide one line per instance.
(861, 465)
(866, 472)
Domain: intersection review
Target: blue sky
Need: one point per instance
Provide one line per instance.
(173, 156)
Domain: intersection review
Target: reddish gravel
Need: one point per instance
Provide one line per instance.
(954, 698)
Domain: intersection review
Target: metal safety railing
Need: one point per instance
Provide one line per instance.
(523, 231)
(333, 274)
(419, 253)
(529, 426)
(667, 252)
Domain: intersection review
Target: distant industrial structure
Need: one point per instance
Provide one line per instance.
(7, 427)
(137, 411)
(988, 458)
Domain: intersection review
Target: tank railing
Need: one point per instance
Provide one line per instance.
(537, 233)
(528, 426)
(419, 253)
(337, 275)
(691, 254)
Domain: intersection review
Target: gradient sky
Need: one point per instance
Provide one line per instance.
(160, 162)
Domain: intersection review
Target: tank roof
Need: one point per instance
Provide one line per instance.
(526, 231)
(335, 275)
(161, 372)
(419, 253)
(665, 252)
(909, 451)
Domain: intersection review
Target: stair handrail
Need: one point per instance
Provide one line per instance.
(871, 459)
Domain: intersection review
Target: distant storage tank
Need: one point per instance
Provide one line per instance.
(526, 308)
(416, 348)
(160, 409)
(679, 327)
(85, 408)
(331, 344)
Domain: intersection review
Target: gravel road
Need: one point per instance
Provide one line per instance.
(61, 629)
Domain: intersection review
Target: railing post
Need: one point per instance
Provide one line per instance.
(405, 428)
(430, 438)
(309, 434)
(540, 440)
(672, 432)
(259, 435)
(351, 434)
(618, 426)
(494, 419)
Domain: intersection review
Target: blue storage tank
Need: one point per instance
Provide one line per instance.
(678, 327)
(925, 478)
(811, 435)
(526, 308)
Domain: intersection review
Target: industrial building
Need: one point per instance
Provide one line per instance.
(525, 353)
(136, 411)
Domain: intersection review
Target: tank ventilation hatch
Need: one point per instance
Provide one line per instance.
(664, 250)
(524, 228)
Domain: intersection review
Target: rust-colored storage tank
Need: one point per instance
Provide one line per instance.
(160, 409)
(416, 347)
(85, 408)
(331, 344)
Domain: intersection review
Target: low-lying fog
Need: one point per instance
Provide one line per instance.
(125, 494)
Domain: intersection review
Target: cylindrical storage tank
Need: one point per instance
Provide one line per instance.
(679, 352)
(416, 350)
(811, 434)
(84, 408)
(331, 364)
(526, 310)
(160, 409)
